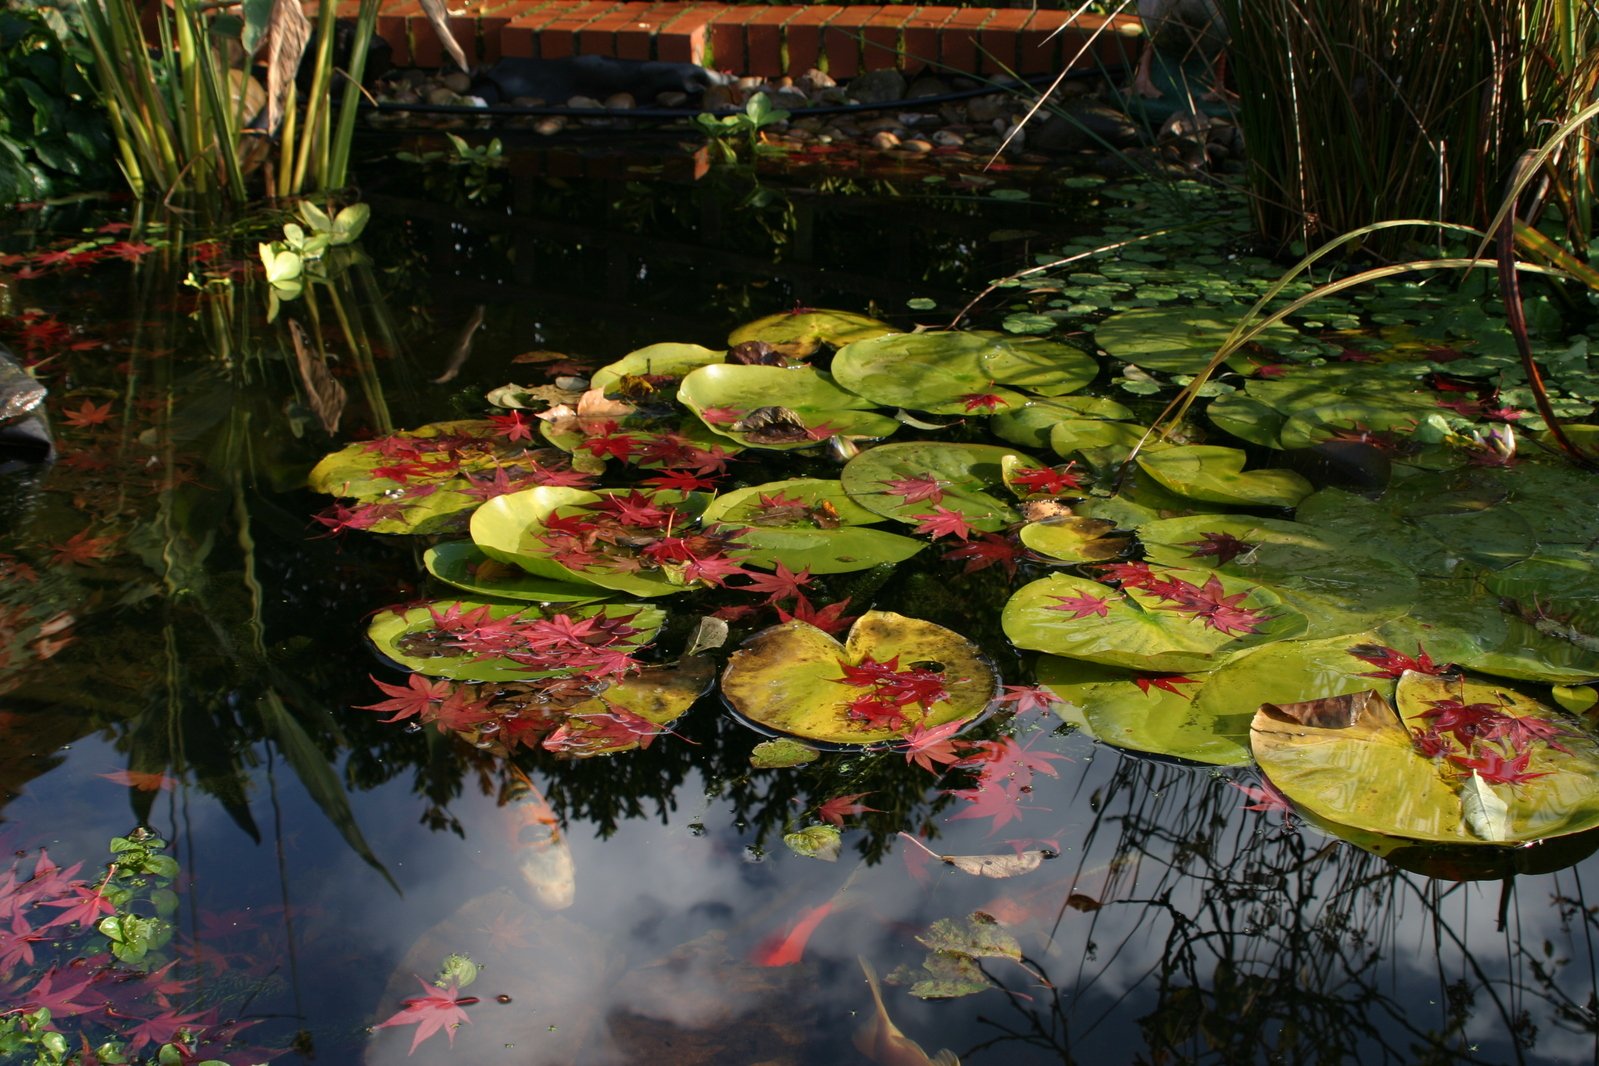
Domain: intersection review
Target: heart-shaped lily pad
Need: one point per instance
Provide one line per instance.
(799, 333)
(906, 482)
(1073, 539)
(632, 711)
(779, 407)
(632, 542)
(1358, 761)
(955, 373)
(473, 640)
(1152, 713)
(792, 679)
(1215, 474)
(1340, 586)
(462, 564)
(666, 360)
(808, 523)
(1029, 426)
(1170, 625)
(1181, 340)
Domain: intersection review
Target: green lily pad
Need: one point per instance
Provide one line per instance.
(1029, 426)
(1362, 768)
(779, 407)
(1140, 630)
(510, 529)
(421, 638)
(960, 373)
(799, 333)
(1338, 584)
(665, 360)
(816, 842)
(1074, 539)
(787, 679)
(906, 481)
(1216, 475)
(1181, 340)
(429, 479)
(1108, 704)
(462, 564)
(1247, 419)
(808, 523)
(1102, 445)
(782, 753)
(617, 718)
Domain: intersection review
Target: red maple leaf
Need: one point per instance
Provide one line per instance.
(1005, 760)
(681, 481)
(786, 949)
(1493, 767)
(1519, 731)
(88, 415)
(1081, 605)
(782, 584)
(1393, 663)
(1165, 682)
(721, 416)
(1224, 546)
(1267, 797)
(513, 427)
(984, 401)
(160, 1030)
(1029, 698)
(1431, 743)
(411, 699)
(944, 523)
(987, 550)
(829, 619)
(61, 1002)
(85, 906)
(340, 518)
(1211, 604)
(82, 549)
(926, 746)
(1000, 801)
(610, 442)
(1467, 721)
(438, 1009)
(915, 489)
(132, 251)
(1046, 480)
(835, 809)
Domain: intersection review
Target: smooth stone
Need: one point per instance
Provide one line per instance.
(926, 85)
(877, 86)
(550, 124)
(620, 102)
(883, 140)
(671, 99)
(457, 82)
(813, 80)
(584, 102)
(718, 98)
(987, 108)
(442, 97)
(917, 146)
(948, 139)
(790, 99)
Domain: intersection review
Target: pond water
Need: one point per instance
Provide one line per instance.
(182, 648)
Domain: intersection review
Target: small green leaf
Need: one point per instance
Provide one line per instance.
(816, 842)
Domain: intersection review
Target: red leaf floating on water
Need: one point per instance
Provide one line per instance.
(1082, 605)
(782, 584)
(1029, 698)
(933, 747)
(983, 401)
(1393, 663)
(944, 523)
(439, 1009)
(1494, 768)
(1224, 546)
(1046, 480)
(916, 489)
(835, 809)
(1166, 682)
(829, 619)
(986, 551)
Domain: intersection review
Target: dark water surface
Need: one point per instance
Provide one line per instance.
(214, 639)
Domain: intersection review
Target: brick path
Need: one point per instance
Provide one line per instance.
(769, 41)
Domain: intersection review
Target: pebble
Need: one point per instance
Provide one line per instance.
(457, 81)
(620, 102)
(883, 140)
(917, 146)
(948, 139)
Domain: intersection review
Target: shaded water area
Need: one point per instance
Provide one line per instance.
(182, 648)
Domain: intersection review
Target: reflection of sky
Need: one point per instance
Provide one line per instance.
(654, 947)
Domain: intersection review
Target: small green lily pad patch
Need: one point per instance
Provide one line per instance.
(892, 676)
(779, 407)
(922, 481)
(655, 364)
(808, 524)
(1214, 474)
(800, 333)
(1181, 340)
(960, 373)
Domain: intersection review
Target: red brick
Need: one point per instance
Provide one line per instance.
(803, 35)
(763, 40)
(520, 36)
(999, 39)
(882, 47)
(391, 28)
(558, 37)
(957, 41)
(1037, 48)
(682, 40)
(599, 36)
(921, 37)
(727, 38)
(842, 41)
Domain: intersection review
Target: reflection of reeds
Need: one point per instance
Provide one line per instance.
(1251, 943)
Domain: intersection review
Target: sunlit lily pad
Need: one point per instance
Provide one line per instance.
(428, 480)
(1142, 630)
(960, 373)
(1180, 340)
(633, 710)
(462, 564)
(1215, 474)
(1102, 445)
(906, 482)
(789, 679)
(1074, 539)
(1339, 585)
(516, 529)
(1158, 716)
(808, 523)
(440, 638)
(666, 360)
(1361, 765)
(799, 333)
(779, 407)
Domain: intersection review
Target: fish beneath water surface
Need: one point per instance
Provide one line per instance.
(881, 1041)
